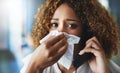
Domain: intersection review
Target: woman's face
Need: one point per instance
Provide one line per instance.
(65, 20)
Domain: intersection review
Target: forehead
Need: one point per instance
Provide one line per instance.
(64, 11)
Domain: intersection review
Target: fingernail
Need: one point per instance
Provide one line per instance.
(80, 53)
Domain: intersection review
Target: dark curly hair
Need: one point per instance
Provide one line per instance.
(89, 12)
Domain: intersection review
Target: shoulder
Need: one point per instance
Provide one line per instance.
(84, 68)
(114, 67)
(25, 62)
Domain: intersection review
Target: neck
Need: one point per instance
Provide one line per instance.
(64, 70)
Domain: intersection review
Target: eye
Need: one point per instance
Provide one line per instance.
(72, 26)
(53, 25)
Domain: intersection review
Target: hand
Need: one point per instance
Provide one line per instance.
(98, 63)
(48, 53)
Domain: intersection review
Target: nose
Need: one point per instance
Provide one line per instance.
(61, 28)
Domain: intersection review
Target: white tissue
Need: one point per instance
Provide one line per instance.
(67, 58)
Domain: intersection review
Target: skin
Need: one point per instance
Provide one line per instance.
(65, 20)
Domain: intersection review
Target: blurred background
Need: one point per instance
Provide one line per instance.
(16, 19)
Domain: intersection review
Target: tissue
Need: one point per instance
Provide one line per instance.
(67, 58)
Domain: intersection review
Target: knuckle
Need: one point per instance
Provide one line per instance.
(47, 50)
(63, 42)
(47, 53)
(61, 36)
(46, 45)
(66, 46)
(92, 41)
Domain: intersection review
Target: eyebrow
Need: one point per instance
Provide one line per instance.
(54, 19)
(69, 19)
(72, 20)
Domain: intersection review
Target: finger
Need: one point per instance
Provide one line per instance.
(54, 40)
(94, 39)
(96, 52)
(92, 44)
(58, 45)
(86, 50)
(61, 51)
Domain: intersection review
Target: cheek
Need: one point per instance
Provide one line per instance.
(76, 32)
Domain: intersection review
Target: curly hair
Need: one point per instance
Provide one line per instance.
(90, 12)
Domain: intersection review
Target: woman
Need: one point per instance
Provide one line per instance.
(87, 19)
